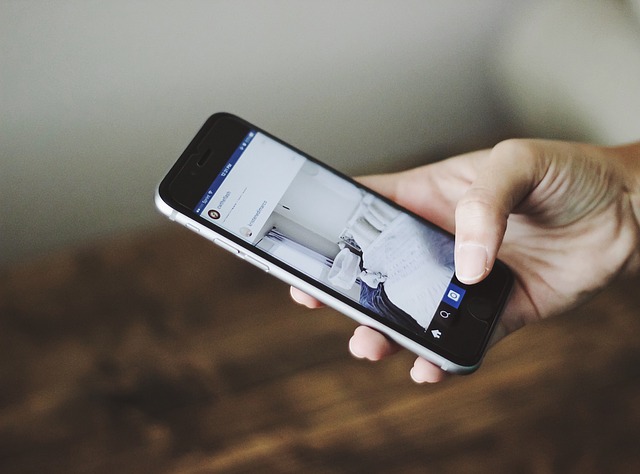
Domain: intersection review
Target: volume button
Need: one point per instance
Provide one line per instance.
(226, 246)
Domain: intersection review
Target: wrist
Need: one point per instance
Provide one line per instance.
(628, 158)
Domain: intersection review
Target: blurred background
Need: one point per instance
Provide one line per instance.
(99, 98)
(116, 353)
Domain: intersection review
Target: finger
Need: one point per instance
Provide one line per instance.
(512, 171)
(426, 372)
(367, 343)
(304, 299)
(431, 191)
(385, 184)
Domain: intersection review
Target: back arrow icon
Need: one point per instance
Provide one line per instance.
(436, 333)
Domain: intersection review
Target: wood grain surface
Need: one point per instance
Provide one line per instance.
(158, 352)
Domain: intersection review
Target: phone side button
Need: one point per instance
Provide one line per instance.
(254, 262)
(226, 246)
(192, 228)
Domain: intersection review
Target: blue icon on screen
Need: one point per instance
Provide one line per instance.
(453, 296)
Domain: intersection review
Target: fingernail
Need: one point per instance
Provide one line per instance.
(354, 353)
(414, 376)
(471, 262)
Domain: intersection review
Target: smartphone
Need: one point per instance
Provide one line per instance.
(320, 231)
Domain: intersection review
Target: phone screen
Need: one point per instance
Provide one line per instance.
(325, 228)
(334, 232)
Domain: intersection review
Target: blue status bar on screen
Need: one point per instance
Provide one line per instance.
(225, 171)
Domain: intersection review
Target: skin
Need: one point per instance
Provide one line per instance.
(563, 216)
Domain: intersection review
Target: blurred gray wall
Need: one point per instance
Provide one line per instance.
(99, 98)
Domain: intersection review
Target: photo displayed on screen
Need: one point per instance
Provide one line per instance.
(331, 230)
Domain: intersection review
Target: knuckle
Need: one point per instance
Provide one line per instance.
(516, 148)
(477, 202)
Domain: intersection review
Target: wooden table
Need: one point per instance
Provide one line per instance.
(158, 352)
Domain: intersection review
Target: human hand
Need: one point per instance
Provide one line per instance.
(563, 216)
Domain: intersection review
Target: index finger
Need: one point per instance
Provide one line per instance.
(304, 299)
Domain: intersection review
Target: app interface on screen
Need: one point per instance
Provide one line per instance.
(336, 233)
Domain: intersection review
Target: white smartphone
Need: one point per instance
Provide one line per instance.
(320, 231)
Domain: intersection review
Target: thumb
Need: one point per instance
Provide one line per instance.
(508, 174)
